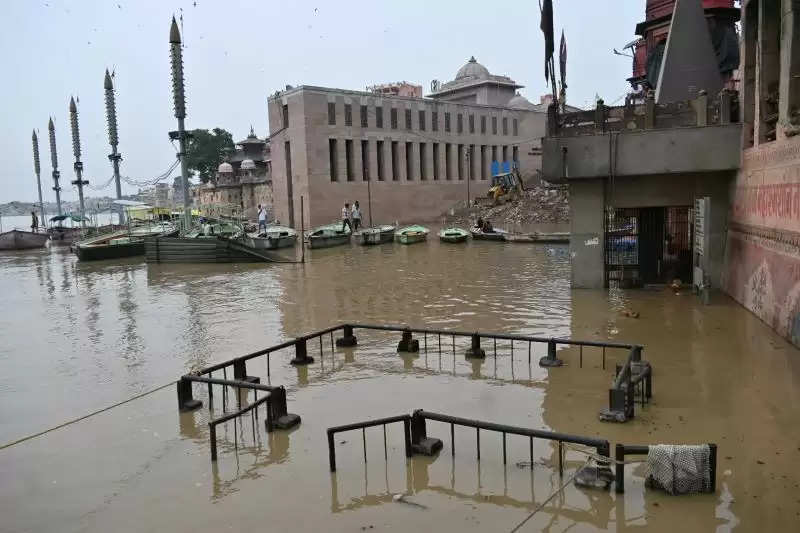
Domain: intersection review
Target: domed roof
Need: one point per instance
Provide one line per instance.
(520, 102)
(472, 69)
(224, 167)
(248, 164)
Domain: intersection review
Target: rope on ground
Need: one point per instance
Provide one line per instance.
(74, 420)
(558, 490)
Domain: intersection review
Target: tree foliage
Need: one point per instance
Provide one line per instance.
(205, 150)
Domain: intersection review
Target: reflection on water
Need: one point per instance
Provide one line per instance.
(79, 336)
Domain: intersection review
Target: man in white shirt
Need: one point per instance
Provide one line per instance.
(262, 218)
(346, 217)
(356, 214)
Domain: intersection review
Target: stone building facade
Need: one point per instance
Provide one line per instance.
(414, 156)
(244, 179)
(763, 240)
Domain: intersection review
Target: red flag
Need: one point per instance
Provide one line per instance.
(549, 41)
(562, 59)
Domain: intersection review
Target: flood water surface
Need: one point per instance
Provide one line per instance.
(82, 336)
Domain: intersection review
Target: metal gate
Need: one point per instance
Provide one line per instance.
(647, 245)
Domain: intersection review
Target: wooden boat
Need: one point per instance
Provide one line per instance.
(201, 249)
(272, 238)
(453, 235)
(122, 243)
(494, 235)
(411, 234)
(330, 235)
(60, 234)
(376, 235)
(538, 237)
(22, 240)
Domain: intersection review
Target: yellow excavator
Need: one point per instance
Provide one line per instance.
(506, 186)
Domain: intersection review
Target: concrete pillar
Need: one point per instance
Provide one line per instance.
(790, 64)
(402, 167)
(373, 160)
(587, 205)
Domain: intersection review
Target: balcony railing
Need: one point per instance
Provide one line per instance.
(701, 111)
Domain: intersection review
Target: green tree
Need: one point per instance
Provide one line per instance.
(205, 150)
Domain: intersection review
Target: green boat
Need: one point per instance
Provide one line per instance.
(453, 235)
(330, 235)
(411, 234)
(376, 235)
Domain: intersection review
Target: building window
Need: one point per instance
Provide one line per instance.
(448, 167)
(379, 153)
(332, 159)
(515, 126)
(483, 162)
(505, 153)
(409, 161)
(422, 120)
(471, 161)
(494, 153)
(460, 123)
(395, 162)
(423, 168)
(483, 124)
(393, 118)
(378, 117)
(348, 115)
(408, 119)
(494, 125)
(515, 154)
(435, 161)
(364, 121)
(348, 158)
(505, 125)
(365, 160)
(472, 123)
(435, 121)
(460, 161)
(331, 113)
(447, 122)
(285, 116)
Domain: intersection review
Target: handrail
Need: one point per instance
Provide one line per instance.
(405, 419)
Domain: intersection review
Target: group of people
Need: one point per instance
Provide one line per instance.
(484, 225)
(351, 216)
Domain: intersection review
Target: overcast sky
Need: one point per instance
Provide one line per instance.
(240, 51)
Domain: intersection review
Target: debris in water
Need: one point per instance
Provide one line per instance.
(401, 499)
(760, 462)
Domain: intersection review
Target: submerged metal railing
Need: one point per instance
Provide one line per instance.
(405, 419)
(276, 415)
(621, 394)
(418, 442)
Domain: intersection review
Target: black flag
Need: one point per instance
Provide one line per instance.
(549, 41)
(562, 60)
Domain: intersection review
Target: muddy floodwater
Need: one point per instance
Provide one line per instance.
(78, 337)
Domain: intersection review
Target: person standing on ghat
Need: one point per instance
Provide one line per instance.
(346, 217)
(356, 214)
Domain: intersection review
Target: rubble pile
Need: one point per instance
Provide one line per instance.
(538, 204)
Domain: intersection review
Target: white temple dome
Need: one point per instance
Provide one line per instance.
(473, 69)
(520, 102)
(224, 168)
(248, 164)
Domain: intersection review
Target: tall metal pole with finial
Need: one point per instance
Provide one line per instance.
(176, 56)
(37, 169)
(54, 160)
(76, 150)
(113, 139)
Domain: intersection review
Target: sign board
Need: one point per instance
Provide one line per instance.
(700, 226)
